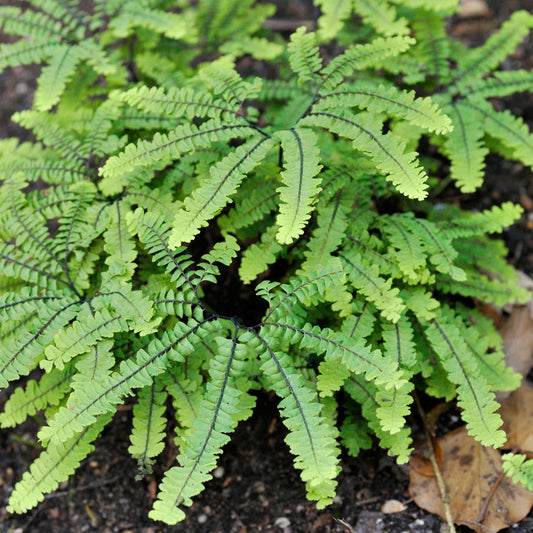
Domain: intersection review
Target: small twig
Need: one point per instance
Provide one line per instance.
(368, 500)
(88, 486)
(287, 24)
(343, 523)
(440, 482)
(477, 524)
(484, 507)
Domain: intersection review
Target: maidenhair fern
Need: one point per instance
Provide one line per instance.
(158, 164)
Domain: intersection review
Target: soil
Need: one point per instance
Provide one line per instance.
(255, 487)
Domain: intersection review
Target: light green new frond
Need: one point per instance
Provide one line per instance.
(511, 130)
(35, 396)
(301, 159)
(422, 112)
(222, 77)
(33, 25)
(311, 440)
(465, 148)
(257, 47)
(475, 398)
(178, 102)
(260, 255)
(133, 15)
(165, 147)
(54, 465)
(149, 423)
(361, 56)
(304, 55)
(498, 46)
(56, 74)
(386, 151)
(381, 16)
(24, 53)
(215, 191)
(332, 17)
(519, 468)
(366, 279)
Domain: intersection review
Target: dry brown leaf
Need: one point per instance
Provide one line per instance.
(420, 461)
(474, 8)
(517, 335)
(517, 414)
(393, 506)
(472, 473)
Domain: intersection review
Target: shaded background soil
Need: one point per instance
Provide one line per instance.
(255, 488)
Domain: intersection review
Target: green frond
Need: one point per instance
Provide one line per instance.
(332, 17)
(36, 396)
(222, 77)
(218, 414)
(498, 46)
(475, 398)
(511, 130)
(257, 199)
(519, 468)
(214, 193)
(438, 246)
(366, 279)
(330, 231)
(387, 152)
(500, 83)
(304, 56)
(148, 427)
(311, 440)
(361, 56)
(432, 45)
(135, 15)
(260, 255)
(422, 112)
(178, 102)
(164, 148)
(59, 461)
(382, 16)
(465, 148)
(105, 393)
(405, 246)
(28, 348)
(443, 6)
(56, 74)
(301, 158)
(32, 24)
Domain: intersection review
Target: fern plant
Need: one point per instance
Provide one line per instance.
(144, 187)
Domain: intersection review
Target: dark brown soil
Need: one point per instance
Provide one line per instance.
(255, 488)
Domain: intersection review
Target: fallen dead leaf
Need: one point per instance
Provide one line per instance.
(393, 506)
(472, 473)
(420, 460)
(517, 414)
(473, 8)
